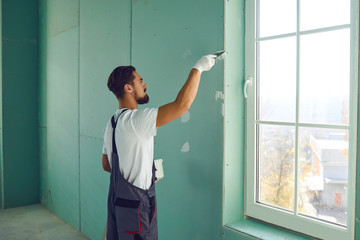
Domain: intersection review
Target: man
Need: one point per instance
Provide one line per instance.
(128, 150)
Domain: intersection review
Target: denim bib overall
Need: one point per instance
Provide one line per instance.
(131, 210)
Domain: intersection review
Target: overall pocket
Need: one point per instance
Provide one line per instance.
(128, 215)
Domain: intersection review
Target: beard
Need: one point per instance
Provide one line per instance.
(143, 100)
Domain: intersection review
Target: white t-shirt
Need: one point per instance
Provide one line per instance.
(134, 136)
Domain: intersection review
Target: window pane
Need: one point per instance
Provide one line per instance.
(323, 178)
(323, 13)
(276, 17)
(325, 77)
(276, 66)
(276, 153)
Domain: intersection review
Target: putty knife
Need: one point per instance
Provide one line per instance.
(219, 53)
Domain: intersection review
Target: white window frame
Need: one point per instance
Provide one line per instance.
(305, 225)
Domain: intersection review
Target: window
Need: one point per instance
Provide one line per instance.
(301, 67)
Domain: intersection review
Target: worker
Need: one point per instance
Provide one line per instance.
(129, 150)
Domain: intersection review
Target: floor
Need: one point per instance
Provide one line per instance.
(35, 222)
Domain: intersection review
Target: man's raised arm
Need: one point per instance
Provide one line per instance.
(187, 94)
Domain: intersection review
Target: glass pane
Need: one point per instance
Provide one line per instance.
(323, 13)
(276, 153)
(325, 77)
(276, 75)
(276, 17)
(323, 174)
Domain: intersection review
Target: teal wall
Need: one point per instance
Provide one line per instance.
(19, 93)
(81, 42)
(1, 150)
(59, 111)
(234, 113)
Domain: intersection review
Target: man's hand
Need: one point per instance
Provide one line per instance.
(105, 163)
(205, 63)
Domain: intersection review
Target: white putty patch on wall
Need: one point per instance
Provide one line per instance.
(219, 95)
(185, 117)
(186, 53)
(185, 147)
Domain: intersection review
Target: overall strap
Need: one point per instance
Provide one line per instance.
(113, 123)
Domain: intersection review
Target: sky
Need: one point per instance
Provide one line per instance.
(324, 57)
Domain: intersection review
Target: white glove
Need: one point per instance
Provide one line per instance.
(205, 63)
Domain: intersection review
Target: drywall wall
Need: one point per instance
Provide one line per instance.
(234, 113)
(20, 162)
(59, 118)
(81, 43)
(1, 150)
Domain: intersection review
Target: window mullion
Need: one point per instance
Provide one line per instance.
(308, 125)
(326, 29)
(297, 107)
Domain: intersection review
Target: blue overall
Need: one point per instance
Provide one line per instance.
(131, 210)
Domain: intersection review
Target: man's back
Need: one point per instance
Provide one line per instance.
(134, 136)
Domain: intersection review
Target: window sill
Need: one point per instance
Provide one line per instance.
(258, 230)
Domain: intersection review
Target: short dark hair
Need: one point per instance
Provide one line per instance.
(118, 78)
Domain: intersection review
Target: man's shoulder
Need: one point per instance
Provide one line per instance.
(143, 121)
(144, 112)
(135, 116)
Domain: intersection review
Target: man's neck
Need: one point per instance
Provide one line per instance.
(129, 103)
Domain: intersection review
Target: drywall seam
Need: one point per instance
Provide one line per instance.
(1, 116)
(79, 146)
(131, 30)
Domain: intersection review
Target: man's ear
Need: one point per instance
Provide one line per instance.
(128, 88)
